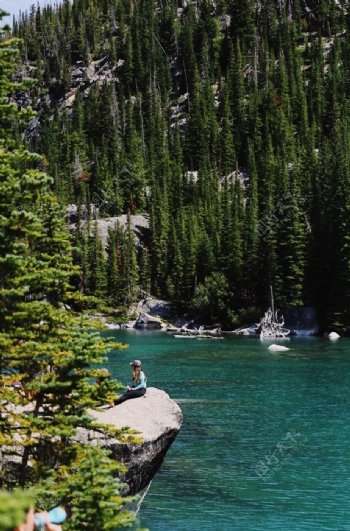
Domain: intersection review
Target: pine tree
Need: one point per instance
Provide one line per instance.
(340, 284)
(145, 270)
(131, 269)
(114, 280)
(96, 277)
(251, 233)
(47, 350)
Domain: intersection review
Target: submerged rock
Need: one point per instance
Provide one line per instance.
(157, 417)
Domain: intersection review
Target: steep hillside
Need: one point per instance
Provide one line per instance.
(226, 122)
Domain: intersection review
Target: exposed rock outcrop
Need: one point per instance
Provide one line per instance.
(158, 419)
(139, 224)
(148, 322)
(152, 306)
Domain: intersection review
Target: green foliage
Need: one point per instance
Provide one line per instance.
(98, 505)
(13, 508)
(211, 297)
(48, 351)
(244, 316)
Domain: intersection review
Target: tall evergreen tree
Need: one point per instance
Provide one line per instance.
(47, 350)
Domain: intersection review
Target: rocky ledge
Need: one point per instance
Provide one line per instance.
(158, 419)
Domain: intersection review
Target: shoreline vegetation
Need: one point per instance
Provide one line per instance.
(150, 313)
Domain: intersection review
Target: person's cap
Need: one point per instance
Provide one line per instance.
(136, 363)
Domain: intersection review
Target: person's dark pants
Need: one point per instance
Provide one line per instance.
(130, 394)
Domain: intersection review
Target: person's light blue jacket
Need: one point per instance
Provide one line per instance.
(141, 382)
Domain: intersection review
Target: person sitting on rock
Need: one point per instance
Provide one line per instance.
(138, 385)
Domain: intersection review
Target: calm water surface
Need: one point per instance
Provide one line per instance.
(265, 439)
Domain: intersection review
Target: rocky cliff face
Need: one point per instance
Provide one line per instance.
(158, 419)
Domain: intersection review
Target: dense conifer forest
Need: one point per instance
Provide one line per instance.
(225, 123)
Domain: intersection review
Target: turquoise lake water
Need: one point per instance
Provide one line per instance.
(265, 443)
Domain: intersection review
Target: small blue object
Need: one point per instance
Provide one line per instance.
(57, 515)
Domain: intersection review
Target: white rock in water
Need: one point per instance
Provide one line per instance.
(333, 335)
(277, 348)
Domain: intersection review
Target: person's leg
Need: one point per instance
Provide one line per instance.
(130, 394)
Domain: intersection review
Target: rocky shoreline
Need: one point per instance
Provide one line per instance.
(155, 314)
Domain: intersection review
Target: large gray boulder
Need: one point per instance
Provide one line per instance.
(158, 419)
(148, 322)
(153, 307)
